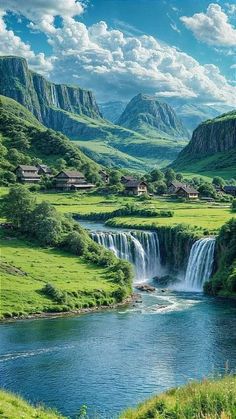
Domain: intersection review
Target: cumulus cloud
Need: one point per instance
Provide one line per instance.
(212, 27)
(10, 44)
(41, 13)
(117, 65)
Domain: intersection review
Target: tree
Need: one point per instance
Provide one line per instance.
(45, 224)
(206, 189)
(76, 243)
(20, 141)
(60, 164)
(179, 177)
(17, 206)
(156, 175)
(234, 205)
(15, 157)
(161, 188)
(218, 181)
(170, 176)
(7, 177)
(114, 177)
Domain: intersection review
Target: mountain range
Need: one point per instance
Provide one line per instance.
(74, 112)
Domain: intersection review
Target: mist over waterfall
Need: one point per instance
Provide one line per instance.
(200, 264)
(141, 248)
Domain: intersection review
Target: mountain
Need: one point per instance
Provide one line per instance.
(112, 110)
(24, 140)
(212, 149)
(74, 112)
(146, 114)
(192, 114)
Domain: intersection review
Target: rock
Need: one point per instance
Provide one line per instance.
(145, 288)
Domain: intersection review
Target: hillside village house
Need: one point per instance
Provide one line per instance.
(174, 186)
(135, 187)
(187, 192)
(27, 174)
(71, 180)
(44, 170)
(231, 190)
(126, 178)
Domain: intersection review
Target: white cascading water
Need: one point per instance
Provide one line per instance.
(200, 264)
(138, 247)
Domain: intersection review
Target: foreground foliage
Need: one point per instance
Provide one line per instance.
(14, 407)
(210, 399)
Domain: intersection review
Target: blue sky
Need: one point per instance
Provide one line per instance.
(168, 48)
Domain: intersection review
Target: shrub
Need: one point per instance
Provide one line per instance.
(54, 293)
(75, 242)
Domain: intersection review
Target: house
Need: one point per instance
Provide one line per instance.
(135, 187)
(27, 174)
(44, 170)
(104, 175)
(71, 180)
(231, 190)
(124, 179)
(174, 186)
(187, 192)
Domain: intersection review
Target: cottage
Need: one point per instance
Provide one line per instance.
(126, 178)
(27, 174)
(71, 180)
(104, 175)
(135, 187)
(44, 170)
(231, 190)
(174, 186)
(187, 192)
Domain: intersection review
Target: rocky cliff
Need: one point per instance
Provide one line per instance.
(213, 136)
(40, 96)
(147, 114)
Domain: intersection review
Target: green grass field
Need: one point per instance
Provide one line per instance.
(210, 399)
(14, 407)
(205, 215)
(25, 268)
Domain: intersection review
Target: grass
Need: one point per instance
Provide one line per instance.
(26, 268)
(204, 215)
(210, 399)
(14, 407)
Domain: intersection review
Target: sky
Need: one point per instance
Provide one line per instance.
(183, 49)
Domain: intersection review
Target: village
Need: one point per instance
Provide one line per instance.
(72, 180)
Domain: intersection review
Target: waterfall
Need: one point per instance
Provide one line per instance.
(54, 96)
(200, 264)
(141, 248)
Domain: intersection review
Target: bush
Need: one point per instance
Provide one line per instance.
(75, 242)
(54, 293)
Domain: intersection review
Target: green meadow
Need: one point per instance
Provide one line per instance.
(204, 215)
(26, 268)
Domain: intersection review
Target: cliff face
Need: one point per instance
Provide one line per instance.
(39, 95)
(146, 114)
(213, 136)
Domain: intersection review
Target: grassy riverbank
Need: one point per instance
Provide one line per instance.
(26, 268)
(14, 407)
(210, 399)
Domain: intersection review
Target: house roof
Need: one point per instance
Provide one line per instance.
(230, 188)
(44, 167)
(26, 167)
(134, 183)
(127, 178)
(188, 189)
(73, 174)
(177, 184)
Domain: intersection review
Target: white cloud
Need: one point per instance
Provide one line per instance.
(41, 13)
(116, 65)
(10, 44)
(212, 27)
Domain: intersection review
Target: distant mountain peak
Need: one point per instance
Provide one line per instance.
(149, 116)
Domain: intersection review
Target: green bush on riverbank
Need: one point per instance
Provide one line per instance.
(210, 399)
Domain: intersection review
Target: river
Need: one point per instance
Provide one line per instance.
(115, 359)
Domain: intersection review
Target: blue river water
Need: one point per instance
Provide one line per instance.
(115, 359)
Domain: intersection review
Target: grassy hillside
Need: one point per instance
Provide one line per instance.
(210, 399)
(212, 149)
(23, 140)
(14, 407)
(25, 269)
